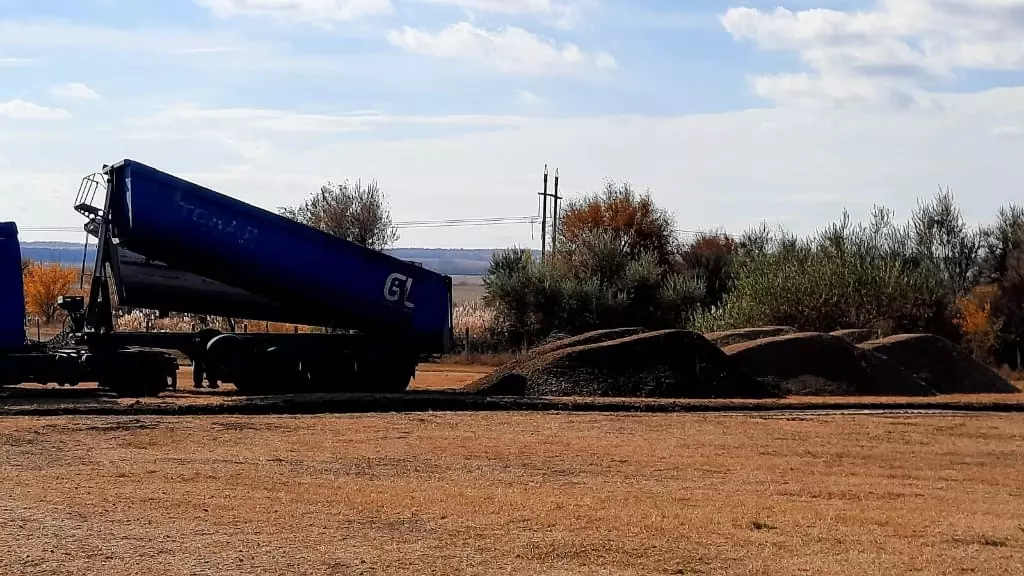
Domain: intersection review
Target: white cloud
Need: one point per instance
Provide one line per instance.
(560, 13)
(43, 35)
(318, 11)
(509, 50)
(22, 110)
(75, 90)
(529, 98)
(217, 50)
(11, 61)
(188, 116)
(205, 50)
(800, 166)
(1008, 131)
(897, 51)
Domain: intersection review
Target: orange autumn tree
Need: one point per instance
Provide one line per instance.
(974, 317)
(632, 219)
(44, 284)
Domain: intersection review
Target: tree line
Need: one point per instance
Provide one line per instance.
(622, 262)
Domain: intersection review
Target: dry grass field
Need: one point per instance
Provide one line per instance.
(467, 288)
(516, 493)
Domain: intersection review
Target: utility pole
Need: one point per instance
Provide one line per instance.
(544, 217)
(554, 216)
(544, 196)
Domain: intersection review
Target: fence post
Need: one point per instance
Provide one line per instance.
(466, 344)
(39, 334)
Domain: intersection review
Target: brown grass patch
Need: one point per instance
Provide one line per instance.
(446, 376)
(492, 359)
(512, 493)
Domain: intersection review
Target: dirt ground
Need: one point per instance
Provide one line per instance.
(428, 376)
(512, 493)
(447, 376)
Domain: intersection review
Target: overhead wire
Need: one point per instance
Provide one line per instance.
(443, 223)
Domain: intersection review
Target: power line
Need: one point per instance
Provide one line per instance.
(444, 223)
(420, 224)
(467, 222)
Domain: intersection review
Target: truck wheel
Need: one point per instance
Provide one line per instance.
(387, 375)
(328, 375)
(134, 373)
(138, 387)
(251, 386)
(393, 382)
(273, 371)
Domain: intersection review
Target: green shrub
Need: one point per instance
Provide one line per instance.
(594, 287)
(620, 264)
(893, 278)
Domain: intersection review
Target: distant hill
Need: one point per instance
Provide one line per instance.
(453, 262)
(67, 253)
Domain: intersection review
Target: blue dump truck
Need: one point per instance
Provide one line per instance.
(170, 245)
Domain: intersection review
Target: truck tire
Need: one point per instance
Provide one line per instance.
(320, 372)
(275, 370)
(387, 375)
(143, 386)
(136, 373)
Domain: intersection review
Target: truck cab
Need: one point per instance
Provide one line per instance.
(12, 292)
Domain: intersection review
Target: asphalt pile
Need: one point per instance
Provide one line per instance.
(626, 364)
(856, 335)
(940, 364)
(766, 362)
(730, 337)
(814, 364)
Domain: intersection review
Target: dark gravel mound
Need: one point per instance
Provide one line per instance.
(730, 337)
(595, 337)
(856, 335)
(664, 364)
(513, 386)
(554, 337)
(813, 364)
(940, 364)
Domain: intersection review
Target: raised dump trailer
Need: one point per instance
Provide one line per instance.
(171, 245)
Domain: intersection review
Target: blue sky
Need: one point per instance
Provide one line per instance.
(730, 112)
(656, 46)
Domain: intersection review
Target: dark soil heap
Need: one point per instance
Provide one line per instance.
(856, 335)
(730, 337)
(504, 380)
(940, 364)
(663, 364)
(813, 364)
